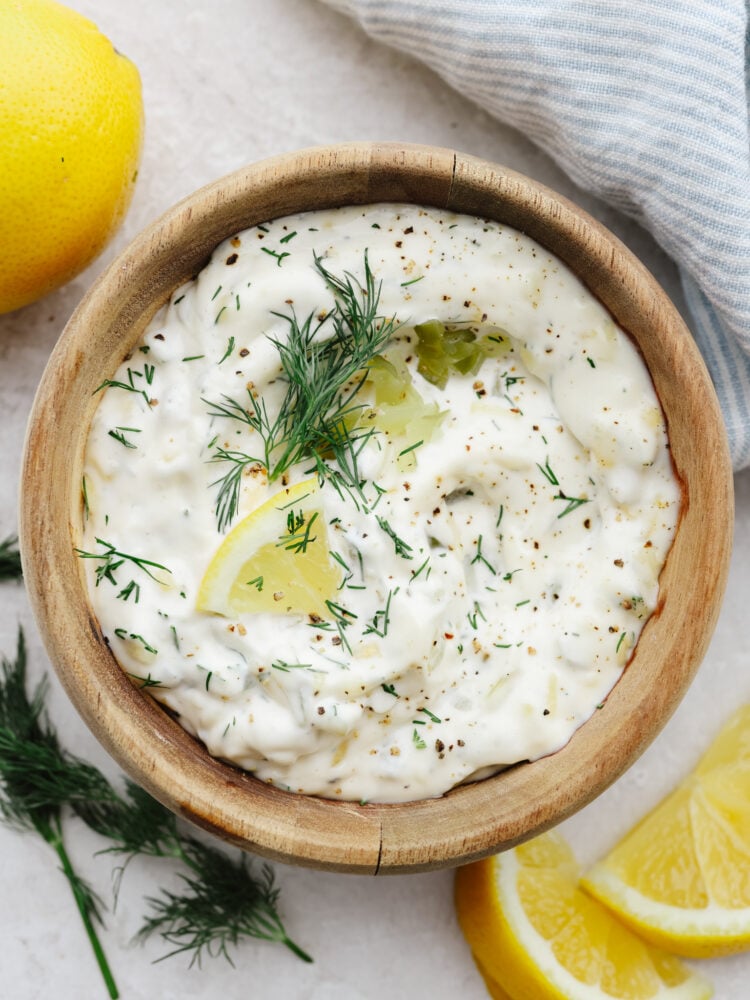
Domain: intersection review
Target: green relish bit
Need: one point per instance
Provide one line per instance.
(444, 350)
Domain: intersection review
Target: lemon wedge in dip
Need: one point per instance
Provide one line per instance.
(276, 559)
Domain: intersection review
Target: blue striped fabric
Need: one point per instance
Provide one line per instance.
(642, 102)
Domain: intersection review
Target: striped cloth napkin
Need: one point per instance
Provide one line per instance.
(642, 102)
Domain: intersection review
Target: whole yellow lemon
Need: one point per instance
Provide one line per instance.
(71, 131)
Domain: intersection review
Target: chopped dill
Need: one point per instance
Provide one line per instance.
(131, 588)
(119, 435)
(475, 614)
(132, 385)
(145, 682)
(123, 634)
(286, 667)
(412, 447)
(573, 503)
(274, 253)
(419, 570)
(401, 547)
(298, 528)
(481, 558)
(381, 620)
(342, 618)
(85, 499)
(230, 344)
(547, 472)
(111, 559)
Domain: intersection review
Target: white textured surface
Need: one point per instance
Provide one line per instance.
(225, 85)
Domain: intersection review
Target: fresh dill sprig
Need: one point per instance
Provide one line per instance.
(225, 899)
(10, 559)
(38, 778)
(228, 495)
(317, 416)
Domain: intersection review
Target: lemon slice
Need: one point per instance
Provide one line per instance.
(535, 934)
(276, 559)
(494, 989)
(681, 877)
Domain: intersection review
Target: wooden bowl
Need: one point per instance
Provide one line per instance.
(472, 820)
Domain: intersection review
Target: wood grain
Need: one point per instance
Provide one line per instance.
(470, 821)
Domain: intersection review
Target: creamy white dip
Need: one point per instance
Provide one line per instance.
(495, 586)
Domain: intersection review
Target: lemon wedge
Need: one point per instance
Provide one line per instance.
(276, 559)
(535, 934)
(681, 877)
(494, 989)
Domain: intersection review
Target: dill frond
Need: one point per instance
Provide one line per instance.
(37, 778)
(317, 416)
(10, 559)
(226, 899)
(135, 823)
(228, 495)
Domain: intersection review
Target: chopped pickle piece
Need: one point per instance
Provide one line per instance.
(400, 412)
(445, 350)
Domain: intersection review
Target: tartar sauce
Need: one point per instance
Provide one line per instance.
(496, 552)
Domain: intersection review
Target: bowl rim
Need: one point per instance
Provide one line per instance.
(470, 821)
